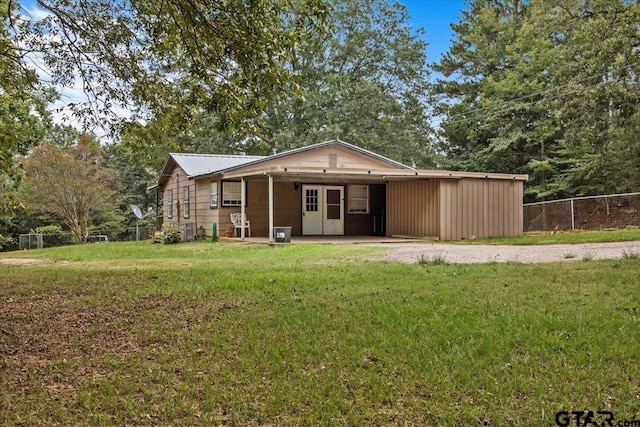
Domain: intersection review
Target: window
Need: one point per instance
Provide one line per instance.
(358, 199)
(170, 204)
(231, 193)
(213, 192)
(185, 202)
(311, 199)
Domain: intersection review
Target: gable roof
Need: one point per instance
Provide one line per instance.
(335, 142)
(196, 165)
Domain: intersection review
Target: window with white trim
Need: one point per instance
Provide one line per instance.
(231, 193)
(358, 199)
(185, 202)
(213, 194)
(169, 200)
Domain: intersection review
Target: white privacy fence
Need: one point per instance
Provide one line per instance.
(585, 213)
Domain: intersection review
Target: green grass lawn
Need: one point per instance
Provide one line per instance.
(224, 334)
(565, 237)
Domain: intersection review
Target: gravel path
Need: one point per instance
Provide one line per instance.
(497, 253)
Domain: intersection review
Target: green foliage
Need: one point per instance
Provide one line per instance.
(315, 334)
(546, 88)
(6, 242)
(366, 83)
(54, 235)
(170, 234)
(172, 59)
(69, 183)
(23, 116)
(371, 54)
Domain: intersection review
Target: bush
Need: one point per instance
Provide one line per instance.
(6, 242)
(170, 234)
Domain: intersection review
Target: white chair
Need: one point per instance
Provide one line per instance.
(239, 221)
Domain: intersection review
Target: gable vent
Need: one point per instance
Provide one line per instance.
(333, 160)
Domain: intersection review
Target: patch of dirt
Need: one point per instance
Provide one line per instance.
(59, 343)
(502, 253)
(22, 261)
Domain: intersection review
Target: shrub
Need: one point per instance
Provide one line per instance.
(170, 234)
(6, 242)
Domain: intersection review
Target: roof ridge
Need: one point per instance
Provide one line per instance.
(214, 155)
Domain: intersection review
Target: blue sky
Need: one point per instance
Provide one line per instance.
(435, 16)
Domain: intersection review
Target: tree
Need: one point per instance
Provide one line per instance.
(23, 115)
(482, 103)
(134, 179)
(68, 182)
(547, 88)
(366, 83)
(598, 104)
(177, 58)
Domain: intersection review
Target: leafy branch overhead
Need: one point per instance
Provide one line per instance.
(226, 58)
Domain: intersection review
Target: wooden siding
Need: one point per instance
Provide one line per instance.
(333, 157)
(176, 183)
(480, 208)
(286, 207)
(413, 208)
(205, 215)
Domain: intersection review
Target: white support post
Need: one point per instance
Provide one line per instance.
(243, 200)
(270, 209)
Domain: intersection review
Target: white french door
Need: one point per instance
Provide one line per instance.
(322, 210)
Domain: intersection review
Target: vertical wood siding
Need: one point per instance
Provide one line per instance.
(413, 208)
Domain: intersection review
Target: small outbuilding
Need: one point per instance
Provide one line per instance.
(335, 188)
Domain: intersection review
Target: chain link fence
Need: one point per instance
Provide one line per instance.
(585, 213)
(49, 240)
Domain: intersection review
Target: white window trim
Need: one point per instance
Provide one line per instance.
(169, 204)
(225, 201)
(185, 202)
(213, 194)
(352, 199)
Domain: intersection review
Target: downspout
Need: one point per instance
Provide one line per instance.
(177, 198)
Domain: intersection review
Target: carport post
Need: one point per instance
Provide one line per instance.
(270, 209)
(243, 200)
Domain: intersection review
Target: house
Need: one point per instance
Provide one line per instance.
(335, 188)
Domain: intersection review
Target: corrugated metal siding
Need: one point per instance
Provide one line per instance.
(413, 208)
(480, 208)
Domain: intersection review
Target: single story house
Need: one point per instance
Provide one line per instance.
(335, 188)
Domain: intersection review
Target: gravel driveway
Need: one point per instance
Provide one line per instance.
(409, 252)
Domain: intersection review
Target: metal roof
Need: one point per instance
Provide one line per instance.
(200, 164)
